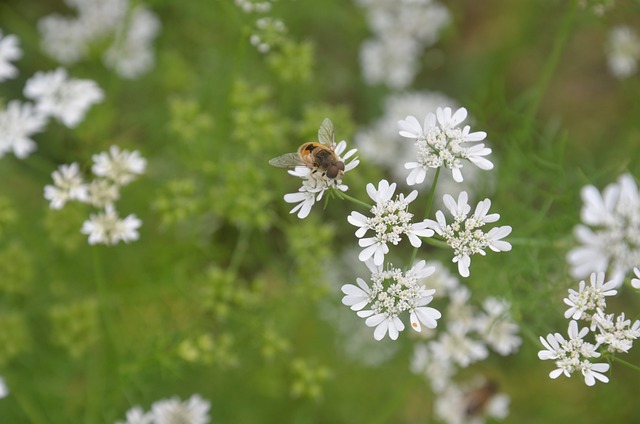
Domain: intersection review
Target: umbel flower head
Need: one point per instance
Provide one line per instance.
(465, 234)
(392, 293)
(440, 142)
(390, 220)
(9, 51)
(573, 355)
(584, 303)
(609, 235)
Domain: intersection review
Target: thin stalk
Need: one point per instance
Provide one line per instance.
(425, 215)
(345, 196)
(628, 364)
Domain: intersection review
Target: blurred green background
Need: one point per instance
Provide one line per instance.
(229, 296)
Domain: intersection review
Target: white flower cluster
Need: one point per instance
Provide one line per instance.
(623, 51)
(468, 335)
(402, 30)
(113, 170)
(257, 6)
(610, 231)
(440, 142)
(130, 33)
(269, 34)
(390, 220)
(9, 52)
(391, 293)
(56, 95)
(471, 403)
(194, 410)
(465, 234)
(615, 334)
(315, 182)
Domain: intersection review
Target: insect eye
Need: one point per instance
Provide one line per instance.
(332, 171)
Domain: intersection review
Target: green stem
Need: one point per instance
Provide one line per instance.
(555, 244)
(427, 211)
(628, 364)
(344, 196)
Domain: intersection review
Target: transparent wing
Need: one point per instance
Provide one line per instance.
(326, 135)
(288, 160)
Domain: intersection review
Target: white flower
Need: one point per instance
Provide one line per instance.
(635, 282)
(573, 354)
(584, 303)
(120, 166)
(462, 404)
(66, 99)
(18, 122)
(437, 370)
(9, 51)
(106, 227)
(136, 415)
(623, 50)
(315, 183)
(497, 328)
(456, 344)
(465, 235)
(195, 410)
(440, 142)
(4, 390)
(390, 220)
(618, 335)
(610, 231)
(391, 293)
(68, 185)
(102, 192)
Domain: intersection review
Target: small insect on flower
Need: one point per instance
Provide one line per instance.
(320, 157)
(477, 400)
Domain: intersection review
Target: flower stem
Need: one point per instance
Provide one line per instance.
(427, 211)
(628, 364)
(345, 196)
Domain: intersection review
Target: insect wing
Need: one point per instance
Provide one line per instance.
(288, 160)
(326, 134)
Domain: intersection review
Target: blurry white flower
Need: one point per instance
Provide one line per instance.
(102, 192)
(391, 293)
(195, 410)
(66, 99)
(610, 231)
(68, 184)
(440, 142)
(635, 282)
(391, 61)
(18, 122)
(573, 355)
(584, 303)
(456, 344)
(136, 415)
(120, 166)
(131, 53)
(107, 228)
(623, 51)
(462, 404)
(465, 235)
(315, 183)
(497, 328)
(436, 369)
(9, 52)
(4, 390)
(390, 220)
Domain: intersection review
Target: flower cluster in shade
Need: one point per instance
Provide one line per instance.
(609, 234)
(390, 294)
(402, 30)
(54, 95)
(315, 182)
(112, 169)
(194, 410)
(389, 222)
(128, 28)
(465, 234)
(467, 336)
(611, 333)
(440, 142)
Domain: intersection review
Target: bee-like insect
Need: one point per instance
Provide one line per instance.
(477, 399)
(317, 156)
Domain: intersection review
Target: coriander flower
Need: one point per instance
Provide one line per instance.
(635, 282)
(437, 370)
(120, 166)
(623, 50)
(439, 142)
(391, 293)
(456, 344)
(18, 122)
(573, 355)
(617, 335)
(497, 328)
(460, 404)
(106, 227)
(195, 410)
(315, 182)
(136, 415)
(584, 303)
(610, 231)
(66, 99)
(9, 51)
(68, 185)
(390, 220)
(465, 234)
